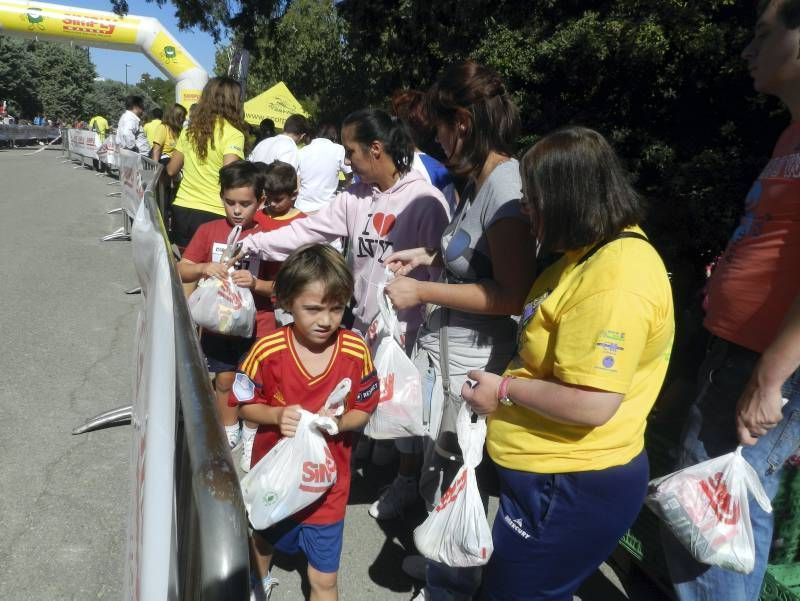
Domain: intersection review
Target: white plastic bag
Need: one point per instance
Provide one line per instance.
(456, 532)
(296, 472)
(706, 508)
(399, 410)
(221, 306)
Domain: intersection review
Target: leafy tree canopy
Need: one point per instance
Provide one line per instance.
(107, 98)
(45, 77)
(662, 79)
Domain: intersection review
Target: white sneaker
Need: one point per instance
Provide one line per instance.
(415, 566)
(247, 453)
(234, 437)
(264, 591)
(401, 493)
(422, 595)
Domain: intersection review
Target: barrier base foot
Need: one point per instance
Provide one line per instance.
(113, 211)
(116, 417)
(114, 194)
(119, 234)
(137, 290)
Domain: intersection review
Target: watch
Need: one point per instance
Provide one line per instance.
(502, 392)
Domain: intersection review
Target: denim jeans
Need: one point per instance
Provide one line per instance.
(710, 431)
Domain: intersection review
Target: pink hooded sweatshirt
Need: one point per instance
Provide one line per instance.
(410, 214)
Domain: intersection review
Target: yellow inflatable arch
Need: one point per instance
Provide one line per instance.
(106, 30)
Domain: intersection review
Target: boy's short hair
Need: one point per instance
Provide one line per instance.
(241, 174)
(309, 264)
(156, 113)
(788, 12)
(133, 101)
(279, 178)
(296, 124)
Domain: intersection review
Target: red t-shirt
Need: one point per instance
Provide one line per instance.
(207, 246)
(758, 277)
(267, 270)
(279, 379)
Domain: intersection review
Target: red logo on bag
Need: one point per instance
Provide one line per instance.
(387, 388)
(719, 498)
(229, 295)
(318, 477)
(451, 494)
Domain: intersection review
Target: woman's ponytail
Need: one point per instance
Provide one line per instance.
(370, 125)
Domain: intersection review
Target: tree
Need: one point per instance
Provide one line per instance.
(161, 91)
(107, 98)
(45, 77)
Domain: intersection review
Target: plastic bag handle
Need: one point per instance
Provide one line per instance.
(753, 483)
(388, 312)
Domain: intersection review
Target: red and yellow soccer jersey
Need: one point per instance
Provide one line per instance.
(273, 375)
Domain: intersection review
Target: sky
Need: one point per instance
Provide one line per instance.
(110, 64)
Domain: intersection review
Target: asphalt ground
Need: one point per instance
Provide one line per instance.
(67, 334)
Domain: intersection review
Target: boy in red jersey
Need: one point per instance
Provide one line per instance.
(240, 189)
(300, 366)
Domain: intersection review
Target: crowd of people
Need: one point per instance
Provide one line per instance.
(526, 288)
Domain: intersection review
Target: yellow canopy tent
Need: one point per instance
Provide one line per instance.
(277, 104)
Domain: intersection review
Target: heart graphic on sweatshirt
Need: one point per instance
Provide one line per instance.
(383, 223)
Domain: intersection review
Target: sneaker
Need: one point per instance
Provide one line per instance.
(265, 589)
(415, 566)
(247, 453)
(422, 595)
(401, 493)
(234, 437)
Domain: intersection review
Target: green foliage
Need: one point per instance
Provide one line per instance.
(107, 98)
(662, 79)
(160, 91)
(45, 77)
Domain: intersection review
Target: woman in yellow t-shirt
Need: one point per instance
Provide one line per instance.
(567, 418)
(166, 134)
(214, 138)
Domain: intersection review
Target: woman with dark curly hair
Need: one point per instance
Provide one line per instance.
(213, 139)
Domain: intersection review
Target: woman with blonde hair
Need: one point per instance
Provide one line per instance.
(166, 134)
(214, 138)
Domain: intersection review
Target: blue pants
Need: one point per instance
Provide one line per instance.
(710, 432)
(553, 530)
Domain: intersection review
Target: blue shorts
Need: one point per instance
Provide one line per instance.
(320, 543)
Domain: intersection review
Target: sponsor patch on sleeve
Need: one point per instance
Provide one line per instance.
(243, 388)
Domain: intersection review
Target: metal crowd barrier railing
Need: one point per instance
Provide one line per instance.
(210, 557)
(16, 133)
(213, 560)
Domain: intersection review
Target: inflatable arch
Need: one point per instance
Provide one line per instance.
(102, 29)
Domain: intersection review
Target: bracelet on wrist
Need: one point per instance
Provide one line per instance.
(502, 392)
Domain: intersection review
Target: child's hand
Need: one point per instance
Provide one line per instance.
(289, 418)
(215, 270)
(244, 279)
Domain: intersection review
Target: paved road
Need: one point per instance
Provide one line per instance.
(67, 335)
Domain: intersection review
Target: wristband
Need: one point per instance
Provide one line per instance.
(502, 392)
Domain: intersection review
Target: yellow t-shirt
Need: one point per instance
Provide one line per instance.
(149, 129)
(101, 124)
(164, 137)
(199, 187)
(608, 324)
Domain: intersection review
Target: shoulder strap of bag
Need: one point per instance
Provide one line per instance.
(602, 243)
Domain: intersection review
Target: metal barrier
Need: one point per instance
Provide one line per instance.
(209, 557)
(27, 133)
(213, 559)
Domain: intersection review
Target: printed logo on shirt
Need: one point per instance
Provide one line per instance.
(516, 526)
(610, 347)
(368, 244)
(243, 388)
(278, 398)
